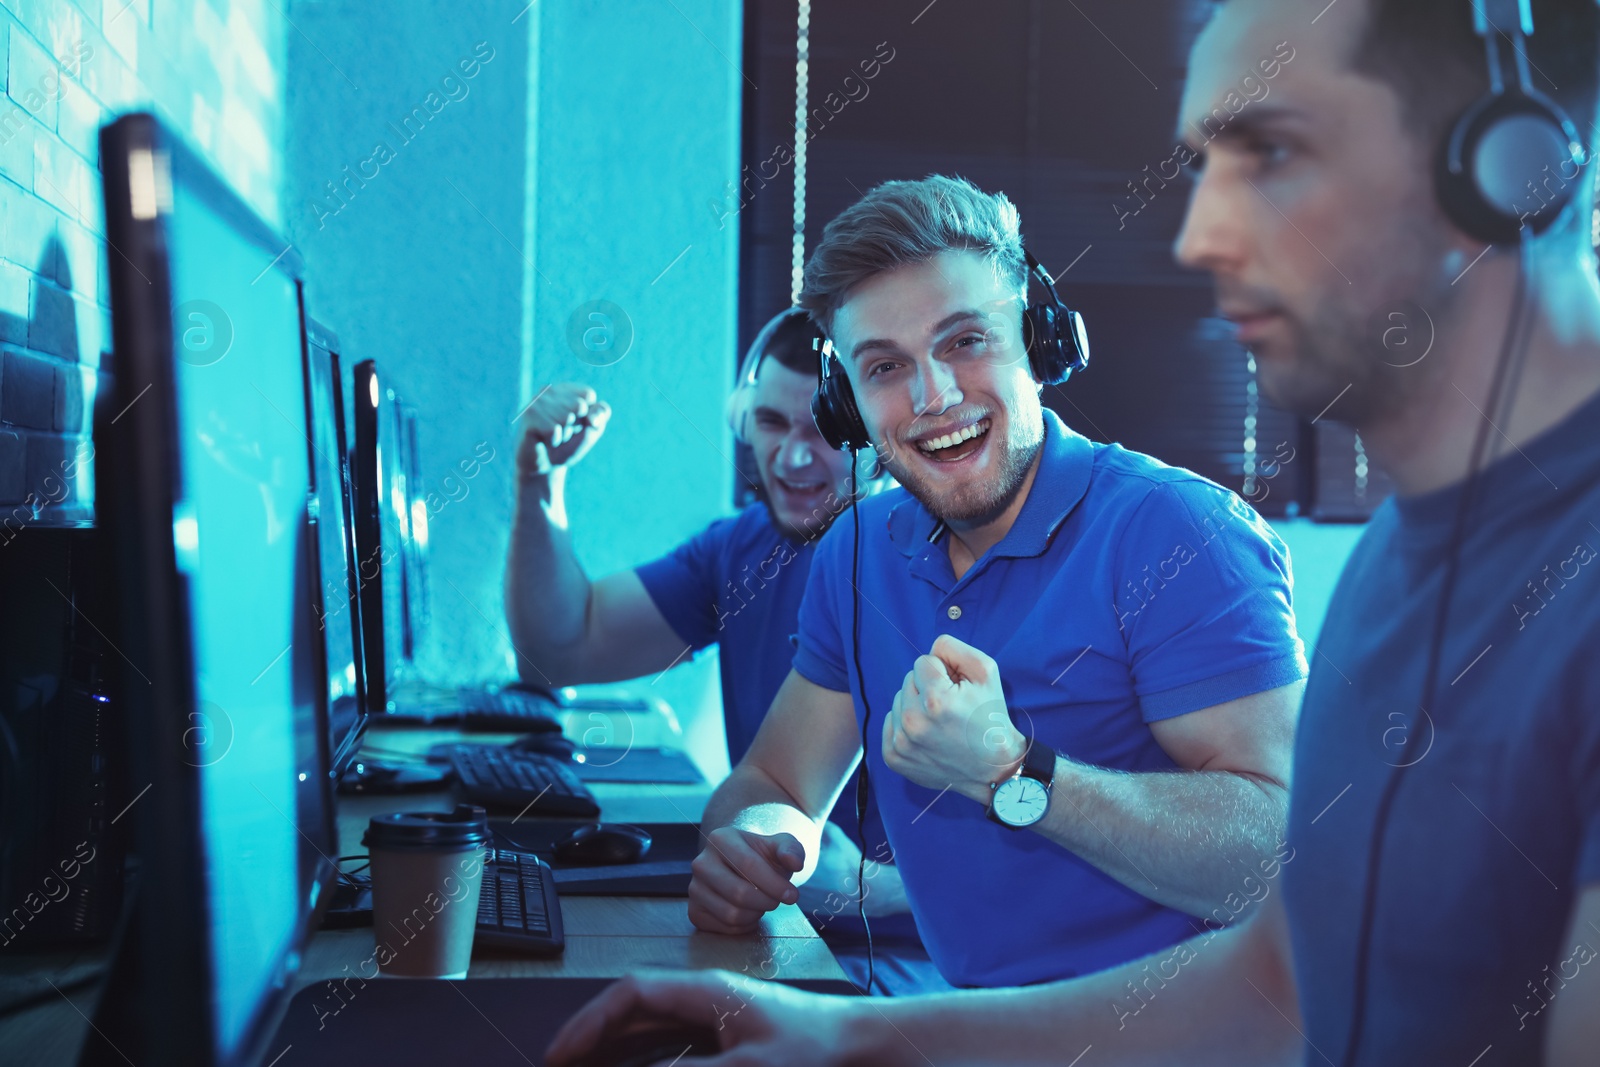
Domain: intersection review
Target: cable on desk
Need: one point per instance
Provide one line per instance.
(354, 877)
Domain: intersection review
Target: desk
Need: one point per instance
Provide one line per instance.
(607, 937)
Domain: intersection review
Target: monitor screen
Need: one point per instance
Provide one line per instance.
(338, 610)
(382, 525)
(204, 436)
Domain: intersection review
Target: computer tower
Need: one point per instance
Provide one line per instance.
(62, 781)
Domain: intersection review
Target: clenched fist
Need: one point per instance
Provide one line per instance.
(559, 427)
(740, 876)
(949, 728)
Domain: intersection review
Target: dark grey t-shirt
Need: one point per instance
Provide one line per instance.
(1495, 826)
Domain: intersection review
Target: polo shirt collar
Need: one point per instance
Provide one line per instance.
(1066, 463)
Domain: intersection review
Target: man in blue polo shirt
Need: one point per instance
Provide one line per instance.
(736, 584)
(1031, 607)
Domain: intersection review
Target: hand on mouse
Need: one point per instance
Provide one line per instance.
(740, 876)
(755, 1022)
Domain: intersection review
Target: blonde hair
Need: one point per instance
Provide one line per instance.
(903, 222)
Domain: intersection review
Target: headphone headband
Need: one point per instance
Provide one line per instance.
(741, 400)
(1512, 146)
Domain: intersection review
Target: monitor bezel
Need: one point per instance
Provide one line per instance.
(163, 958)
(378, 562)
(414, 551)
(367, 384)
(316, 339)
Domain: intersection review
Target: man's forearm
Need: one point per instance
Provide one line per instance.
(547, 593)
(1225, 998)
(750, 800)
(1186, 839)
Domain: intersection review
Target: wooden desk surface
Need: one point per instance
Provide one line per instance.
(606, 936)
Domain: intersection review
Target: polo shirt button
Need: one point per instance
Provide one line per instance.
(954, 612)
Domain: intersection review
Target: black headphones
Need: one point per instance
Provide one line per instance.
(1509, 144)
(1057, 345)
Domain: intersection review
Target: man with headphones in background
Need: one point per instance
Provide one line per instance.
(1442, 903)
(1073, 669)
(736, 584)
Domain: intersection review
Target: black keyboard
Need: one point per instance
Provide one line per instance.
(508, 711)
(517, 908)
(497, 777)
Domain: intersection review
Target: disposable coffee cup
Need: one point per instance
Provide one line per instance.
(427, 873)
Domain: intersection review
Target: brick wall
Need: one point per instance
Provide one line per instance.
(213, 70)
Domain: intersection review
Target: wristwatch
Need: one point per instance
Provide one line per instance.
(1022, 800)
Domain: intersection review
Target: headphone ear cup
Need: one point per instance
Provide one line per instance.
(1047, 352)
(737, 412)
(1504, 155)
(833, 408)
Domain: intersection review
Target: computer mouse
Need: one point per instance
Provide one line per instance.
(549, 744)
(602, 844)
(667, 1043)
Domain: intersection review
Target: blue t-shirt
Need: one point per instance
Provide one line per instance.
(1126, 592)
(1495, 825)
(736, 584)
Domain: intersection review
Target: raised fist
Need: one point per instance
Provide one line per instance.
(559, 427)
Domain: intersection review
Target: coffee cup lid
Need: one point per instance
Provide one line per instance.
(428, 831)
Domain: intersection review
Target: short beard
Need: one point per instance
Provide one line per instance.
(1365, 372)
(982, 504)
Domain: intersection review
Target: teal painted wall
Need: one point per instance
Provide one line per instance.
(638, 129)
(572, 167)
(1318, 554)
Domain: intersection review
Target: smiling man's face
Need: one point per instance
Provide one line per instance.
(935, 356)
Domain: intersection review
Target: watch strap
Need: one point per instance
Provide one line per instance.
(1039, 763)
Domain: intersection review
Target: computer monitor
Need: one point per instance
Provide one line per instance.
(415, 557)
(204, 490)
(382, 520)
(338, 607)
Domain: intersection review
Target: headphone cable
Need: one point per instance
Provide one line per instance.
(1515, 339)
(866, 717)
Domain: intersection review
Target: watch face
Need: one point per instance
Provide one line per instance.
(1021, 801)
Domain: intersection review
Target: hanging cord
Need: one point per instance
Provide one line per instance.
(866, 717)
(1512, 350)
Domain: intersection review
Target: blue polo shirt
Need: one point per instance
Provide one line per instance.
(1126, 592)
(1494, 830)
(738, 584)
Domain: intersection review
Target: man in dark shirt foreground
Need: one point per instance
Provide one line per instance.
(1441, 902)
